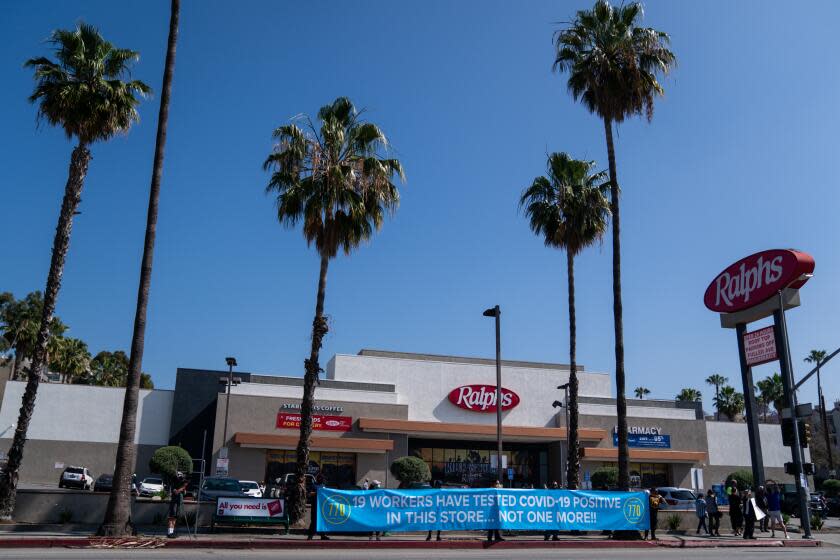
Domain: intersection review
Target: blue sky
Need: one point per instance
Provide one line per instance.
(741, 156)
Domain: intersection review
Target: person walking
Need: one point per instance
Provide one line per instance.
(654, 501)
(774, 507)
(761, 502)
(750, 514)
(713, 512)
(736, 514)
(700, 510)
(494, 534)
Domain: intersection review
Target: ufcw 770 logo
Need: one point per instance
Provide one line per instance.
(335, 510)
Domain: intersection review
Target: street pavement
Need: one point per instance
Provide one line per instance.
(362, 553)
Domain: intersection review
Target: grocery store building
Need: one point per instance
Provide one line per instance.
(376, 406)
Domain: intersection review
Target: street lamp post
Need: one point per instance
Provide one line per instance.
(231, 362)
(564, 479)
(497, 313)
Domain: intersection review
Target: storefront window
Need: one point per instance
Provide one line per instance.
(647, 475)
(338, 469)
(472, 465)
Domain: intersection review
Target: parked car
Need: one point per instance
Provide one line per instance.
(817, 505)
(220, 487)
(76, 477)
(105, 483)
(677, 498)
(150, 486)
(250, 488)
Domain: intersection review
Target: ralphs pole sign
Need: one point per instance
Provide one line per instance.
(757, 278)
(753, 288)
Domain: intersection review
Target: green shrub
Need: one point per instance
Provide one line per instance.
(831, 487)
(743, 477)
(168, 460)
(410, 469)
(605, 477)
(816, 522)
(785, 519)
(674, 521)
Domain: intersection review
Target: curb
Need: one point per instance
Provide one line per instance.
(276, 544)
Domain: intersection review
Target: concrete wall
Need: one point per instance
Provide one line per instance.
(88, 414)
(40, 458)
(45, 506)
(729, 444)
(324, 393)
(424, 384)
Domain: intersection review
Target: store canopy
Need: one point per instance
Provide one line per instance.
(357, 445)
(653, 455)
(473, 431)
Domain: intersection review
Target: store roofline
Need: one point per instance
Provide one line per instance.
(461, 359)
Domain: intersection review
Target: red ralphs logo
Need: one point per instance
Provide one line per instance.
(482, 398)
(757, 278)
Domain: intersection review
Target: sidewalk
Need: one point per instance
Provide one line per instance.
(58, 536)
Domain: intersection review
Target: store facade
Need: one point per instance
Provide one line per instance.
(376, 406)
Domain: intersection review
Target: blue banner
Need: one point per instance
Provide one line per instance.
(477, 509)
(646, 440)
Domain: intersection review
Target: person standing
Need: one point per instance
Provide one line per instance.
(552, 534)
(750, 514)
(494, 534)
(774, 506)
(761, 502)
(176, 500)
(654, 501)
(313, 509)
(700, 510)
(713, 512)
(736, 514)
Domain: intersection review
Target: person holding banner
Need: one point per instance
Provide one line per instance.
(654, 501)
(494, 534)
(313, 509)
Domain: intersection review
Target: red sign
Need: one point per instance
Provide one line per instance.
(482, 398)
(327, 423)
(760, 346)
(757, 278)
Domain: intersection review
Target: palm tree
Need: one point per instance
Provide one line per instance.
(338, 185)
(613, 65)
(717, 380)
(817, 357)
(771, 391)
(689, 395)
(570, 210)
(70, 359)
(83, 92)
(20, 321)
(117, 521)
(730, 402)
(641, 392)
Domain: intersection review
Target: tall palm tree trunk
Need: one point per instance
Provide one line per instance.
(573, 463)
(79, 161)
(297, 495)
(620, 400)
(717, 408)
(117, 521)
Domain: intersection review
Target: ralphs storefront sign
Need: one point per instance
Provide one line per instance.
(757, 278)
(482, 398)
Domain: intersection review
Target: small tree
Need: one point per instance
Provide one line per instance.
(606, 477)
(831, 487)
(169, 460)
(410, 469)
(743, 478)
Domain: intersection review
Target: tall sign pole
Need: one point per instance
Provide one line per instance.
(497, 313)
(790, 403)
(753, 431)
(751, 289)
